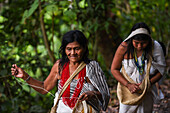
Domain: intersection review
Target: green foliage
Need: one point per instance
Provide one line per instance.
(144, 11)
(28, 13)
(21, 39)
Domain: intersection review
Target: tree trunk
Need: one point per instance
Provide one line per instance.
(47, 45)
(108, 42)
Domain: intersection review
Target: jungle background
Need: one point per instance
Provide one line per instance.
(31, 32)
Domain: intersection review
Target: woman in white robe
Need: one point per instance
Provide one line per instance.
(133, 53)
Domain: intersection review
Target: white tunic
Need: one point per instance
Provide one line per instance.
(159, 64)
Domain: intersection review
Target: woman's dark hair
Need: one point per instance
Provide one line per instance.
(69, 37)
(140, 37)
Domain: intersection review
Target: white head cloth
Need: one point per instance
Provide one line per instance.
(137, 31)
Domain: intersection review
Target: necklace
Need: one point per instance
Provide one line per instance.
(140, 67)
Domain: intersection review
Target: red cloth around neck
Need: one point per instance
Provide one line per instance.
(67, 100)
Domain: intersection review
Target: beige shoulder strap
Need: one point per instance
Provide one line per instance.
(79, 68)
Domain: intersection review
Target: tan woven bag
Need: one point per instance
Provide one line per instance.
(83, 107)
(125, 96)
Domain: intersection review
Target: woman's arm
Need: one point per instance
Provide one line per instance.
(117, 63)
(116, 66)
(156, 77)
(39, 86)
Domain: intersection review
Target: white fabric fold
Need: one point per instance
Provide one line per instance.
(158, 62)
(137, 31)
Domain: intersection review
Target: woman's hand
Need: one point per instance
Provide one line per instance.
(17, 71)
(134, 88)
(87, 95)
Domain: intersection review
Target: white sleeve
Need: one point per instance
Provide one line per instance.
(158, 58)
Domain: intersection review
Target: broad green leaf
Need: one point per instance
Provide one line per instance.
(82, 4)
(33, 7)
(26, 88)
(3, 19)
(29, 12)
(29, 48)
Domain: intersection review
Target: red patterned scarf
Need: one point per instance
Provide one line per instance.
(67, 100)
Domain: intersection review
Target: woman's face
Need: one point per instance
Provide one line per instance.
(74, 51)
(140, 45)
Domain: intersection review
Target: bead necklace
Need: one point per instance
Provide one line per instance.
(140, 67)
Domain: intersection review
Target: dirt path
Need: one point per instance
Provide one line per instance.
(164, 105)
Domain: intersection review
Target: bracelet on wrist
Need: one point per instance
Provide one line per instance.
(27, 78)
